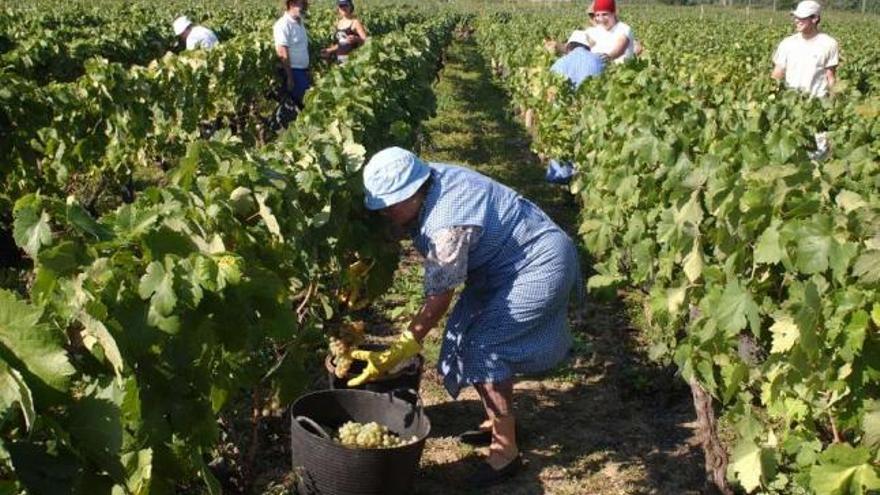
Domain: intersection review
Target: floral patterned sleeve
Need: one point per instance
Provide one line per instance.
(447, 260)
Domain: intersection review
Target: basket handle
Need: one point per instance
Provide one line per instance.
(411, 392)
(314, 426)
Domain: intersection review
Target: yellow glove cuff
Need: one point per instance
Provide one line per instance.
(408, 341)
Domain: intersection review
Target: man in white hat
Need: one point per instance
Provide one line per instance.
(808, 59)
(193, 36)
(578, 64)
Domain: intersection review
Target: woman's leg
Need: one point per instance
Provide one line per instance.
(498, 402)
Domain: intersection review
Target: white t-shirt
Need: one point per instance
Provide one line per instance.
(291, 33)
(603, 40)
(200, 37)
(805, 62)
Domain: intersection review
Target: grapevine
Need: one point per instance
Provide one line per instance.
(352, 290)
(150, 314)
(757, 268)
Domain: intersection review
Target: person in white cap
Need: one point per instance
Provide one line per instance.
(578, 64)
(193, 36)
(518, 269)
(808, 59)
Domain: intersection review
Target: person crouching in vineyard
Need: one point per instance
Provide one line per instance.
(350, 33)
(292, 48)
(518, 269)
(192, 36)
(610, 38)
(578, 64)
(808, 59)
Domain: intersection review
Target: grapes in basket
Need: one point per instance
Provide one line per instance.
(370, 436)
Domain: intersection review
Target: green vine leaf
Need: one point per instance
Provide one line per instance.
(31, 230)
(769, 249)
(736, 309)
(844, 470)
(785, 334)
(35, 346)
(158, 286)
(13, 389)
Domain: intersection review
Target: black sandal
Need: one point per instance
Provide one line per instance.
(482, 438)
(477, 438)
(486, 475)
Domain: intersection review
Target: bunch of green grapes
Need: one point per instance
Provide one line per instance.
(348, 338)
(369, 436)
(342, 357)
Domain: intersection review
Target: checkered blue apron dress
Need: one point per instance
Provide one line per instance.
(511, 316)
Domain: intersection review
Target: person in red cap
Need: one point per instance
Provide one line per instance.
(610, 38)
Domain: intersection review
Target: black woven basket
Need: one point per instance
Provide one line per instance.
(407, 378)
(325, 467)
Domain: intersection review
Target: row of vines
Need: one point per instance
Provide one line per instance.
(757, 267)
(137, 320)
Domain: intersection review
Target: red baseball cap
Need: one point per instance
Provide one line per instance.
(604, 6)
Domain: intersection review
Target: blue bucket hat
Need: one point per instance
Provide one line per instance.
(391, 176)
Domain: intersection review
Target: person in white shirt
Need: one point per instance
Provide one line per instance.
(292, 48)
(193, 36)
(610, 38)
(808, 59)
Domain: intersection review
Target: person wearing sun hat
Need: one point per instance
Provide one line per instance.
(194, 37)
(518, 269)
(808, 59)
(578, 64)
(610, 38)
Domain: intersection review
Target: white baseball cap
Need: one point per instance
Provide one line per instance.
(578, 36)
(180, 24)
(807, 8)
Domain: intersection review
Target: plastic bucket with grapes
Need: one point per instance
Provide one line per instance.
(325, 467)
(407, 376)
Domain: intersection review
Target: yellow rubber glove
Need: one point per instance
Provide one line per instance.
(379, 362)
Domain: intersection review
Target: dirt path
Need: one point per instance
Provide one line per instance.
(605, 423)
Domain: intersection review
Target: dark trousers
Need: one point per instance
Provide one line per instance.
(291, 102)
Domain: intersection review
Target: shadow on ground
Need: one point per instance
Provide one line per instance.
(606, 422)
